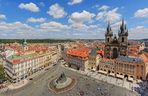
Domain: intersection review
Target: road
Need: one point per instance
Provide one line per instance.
(86, 85)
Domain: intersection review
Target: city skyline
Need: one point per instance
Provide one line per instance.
(71, 19)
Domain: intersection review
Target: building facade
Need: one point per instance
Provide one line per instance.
(124, 67)
(93, 59)
(78, 58)
(24, 60)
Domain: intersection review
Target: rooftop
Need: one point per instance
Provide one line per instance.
(80, 52)
(14, 57)
(144, 56)
(130, 59)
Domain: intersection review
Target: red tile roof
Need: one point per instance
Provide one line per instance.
(144, 56)
(81, 52)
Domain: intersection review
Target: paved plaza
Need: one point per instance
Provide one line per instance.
(86, 86)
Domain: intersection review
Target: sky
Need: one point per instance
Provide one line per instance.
(71, 19)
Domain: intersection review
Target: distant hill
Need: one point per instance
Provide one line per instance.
(145, 40)
(35, 40)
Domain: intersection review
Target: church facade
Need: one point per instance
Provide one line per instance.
(117, 62)
(115, 47)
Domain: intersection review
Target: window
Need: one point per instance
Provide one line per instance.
(122, 39)
(107, 39)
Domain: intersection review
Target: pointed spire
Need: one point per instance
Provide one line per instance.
(122, 26)
(122, 22)
(109, 28)
(123, 30)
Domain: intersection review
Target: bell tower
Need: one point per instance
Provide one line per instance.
(108, 34)
(123, 39)
(108, 40)
(25, 45)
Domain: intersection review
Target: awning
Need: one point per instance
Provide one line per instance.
(104, 72)
(112, 74)
(119, 76)
(130, 79)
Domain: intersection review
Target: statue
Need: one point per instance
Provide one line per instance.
(62, 78)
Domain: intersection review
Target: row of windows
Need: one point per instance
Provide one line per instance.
(29, 63)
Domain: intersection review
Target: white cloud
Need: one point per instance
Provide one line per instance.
(16, 30)
(50, 30)
(42, 4)
(34, 20)
(78, 26)
(116, 25)
(82, 17)
(78, 21)
(140, 27)
(72, 2)
(14, 26)
(140, 30)
(53, 27)
(142, 13)
(104, 7)
(111, 15)
(96, 6)
(56, 11)
(29, 6)
(2, 17)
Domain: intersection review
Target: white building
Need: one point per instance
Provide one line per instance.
(22, 67)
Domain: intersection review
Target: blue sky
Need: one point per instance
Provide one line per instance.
(86, 19)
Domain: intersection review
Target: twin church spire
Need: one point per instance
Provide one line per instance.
(122, 31)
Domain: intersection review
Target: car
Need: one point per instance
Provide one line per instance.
(30, 78)
(66, 65)
(47, 69)
(98, 88)
(92, 70)
(54, 64)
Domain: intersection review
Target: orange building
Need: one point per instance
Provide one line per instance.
(78, 58)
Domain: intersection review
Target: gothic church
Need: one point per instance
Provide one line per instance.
(115, 47)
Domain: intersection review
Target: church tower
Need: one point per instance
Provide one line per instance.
(25, 45)
(108, 34)
(123, 39)
(108, 40)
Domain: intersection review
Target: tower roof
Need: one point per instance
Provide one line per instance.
(109, 30)
(122, 26)
(123, 30)
(24, 42)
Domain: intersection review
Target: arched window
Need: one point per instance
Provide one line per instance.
(122, 39)
(107, 39)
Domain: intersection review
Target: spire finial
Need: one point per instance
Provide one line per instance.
(122, 22)
(108, 24)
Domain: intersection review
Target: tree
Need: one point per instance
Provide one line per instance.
(2, 73)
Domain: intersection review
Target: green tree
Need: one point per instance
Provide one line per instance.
(2, 73)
